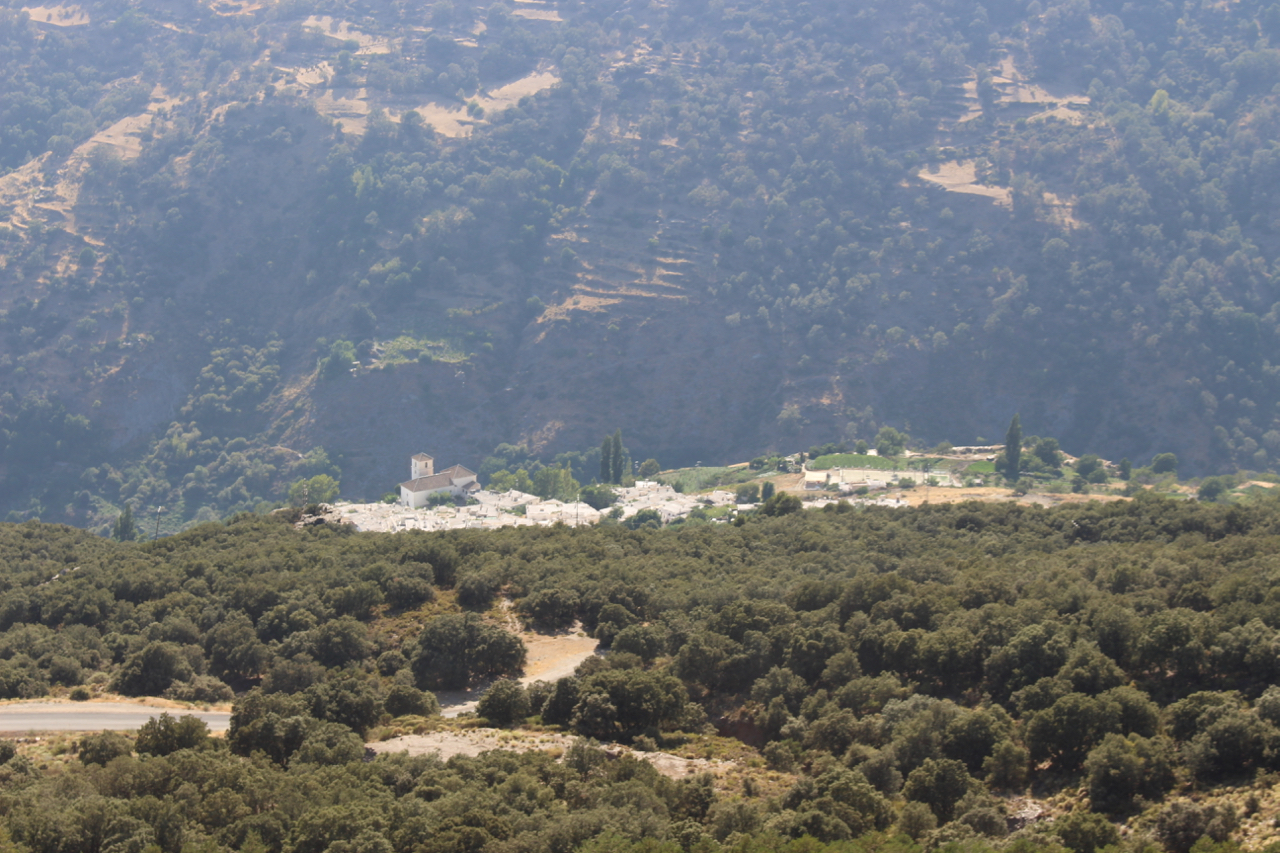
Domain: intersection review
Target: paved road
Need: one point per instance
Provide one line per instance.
(93, 716)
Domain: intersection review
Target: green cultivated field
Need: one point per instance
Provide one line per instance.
(856, 460)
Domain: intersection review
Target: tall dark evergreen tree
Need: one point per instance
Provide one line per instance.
(1013, 449)
(606, 459)
(125, 530)
(618, 462)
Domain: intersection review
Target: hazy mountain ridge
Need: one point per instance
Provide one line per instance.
(720, 226)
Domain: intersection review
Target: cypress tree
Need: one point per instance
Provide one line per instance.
(1013, 449)
(606, 460)
(125, 530)
(617, 463)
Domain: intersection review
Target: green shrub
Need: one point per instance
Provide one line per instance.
(405, 701)
(1082, 832)
(456, 648)
(504, 703)
(152, 670)
(165, 734)
(102, 748)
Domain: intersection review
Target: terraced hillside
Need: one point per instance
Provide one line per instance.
(248, 244)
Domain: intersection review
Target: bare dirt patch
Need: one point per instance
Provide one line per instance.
(312, 75)
(20, 187)
(352, 113)
(1063, 113)
(972, 105)
(508, 95)
(550, 657)
(235, 7)
(1061, 211)
(473, 742)
(941, 495)
(960, 176)
(369, 44)
(537, 14)
(58, 16)
(454, 121)
(1015, 91)
(1014, 88)
(125, 137)
(446, 120)
(553, 656)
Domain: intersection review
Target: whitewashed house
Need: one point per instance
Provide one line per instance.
(424, 482)
(816, 479)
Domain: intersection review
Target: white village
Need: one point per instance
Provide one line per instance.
(486, 510)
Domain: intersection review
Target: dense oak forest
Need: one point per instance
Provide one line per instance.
(890, 674)
(248, 244)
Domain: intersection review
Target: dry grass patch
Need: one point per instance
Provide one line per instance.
(58, 16)
(454, 121)
(537, 14)
(334, 28)
(960, 176)
(352, 113)
(235, 7)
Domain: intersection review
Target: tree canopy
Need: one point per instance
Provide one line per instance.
(875, 658)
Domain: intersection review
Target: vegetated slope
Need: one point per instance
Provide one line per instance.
(723, 226)
(895, 670)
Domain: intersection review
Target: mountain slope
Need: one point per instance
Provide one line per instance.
(724, 227)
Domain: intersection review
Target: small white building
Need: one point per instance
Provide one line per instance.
(424, 482)
(816, 479)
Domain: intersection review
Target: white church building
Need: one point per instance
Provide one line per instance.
(424, 482)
